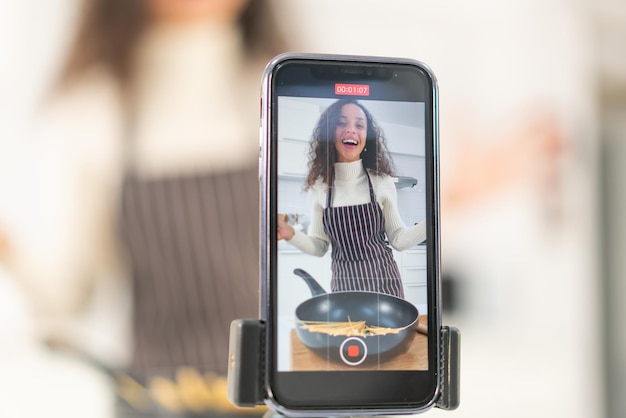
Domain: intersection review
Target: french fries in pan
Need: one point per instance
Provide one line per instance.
(348, 328)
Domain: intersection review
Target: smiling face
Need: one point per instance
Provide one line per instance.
(350, 133)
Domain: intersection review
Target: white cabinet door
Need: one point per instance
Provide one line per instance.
(297, 120)
(404, 139)
(413, 271)
(416, 294)
(292, 158)
(414, 257)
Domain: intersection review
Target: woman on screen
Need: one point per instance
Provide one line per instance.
(353, 203)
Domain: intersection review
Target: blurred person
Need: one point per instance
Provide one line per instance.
(557, 269)
(354, 203)
(146, 157)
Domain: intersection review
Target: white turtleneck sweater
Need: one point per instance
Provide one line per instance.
(198, 101)
(351, 188)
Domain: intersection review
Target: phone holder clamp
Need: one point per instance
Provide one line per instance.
(246, 380)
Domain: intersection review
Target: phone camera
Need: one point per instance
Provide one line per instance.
(382, 73)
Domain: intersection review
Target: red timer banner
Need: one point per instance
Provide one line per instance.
(352, 89)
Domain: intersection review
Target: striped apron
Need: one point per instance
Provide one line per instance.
(192, 243)
(361, 256)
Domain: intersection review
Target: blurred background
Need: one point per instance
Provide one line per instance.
(533, 129)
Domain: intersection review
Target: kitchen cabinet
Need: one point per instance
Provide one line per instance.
(293, 159)
(298, 118)
(403, 139)
(296, 123)
(412, 263)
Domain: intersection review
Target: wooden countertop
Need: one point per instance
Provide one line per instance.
(415, 357)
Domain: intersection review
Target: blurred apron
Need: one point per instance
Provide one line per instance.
(193, 248)
(361, 256)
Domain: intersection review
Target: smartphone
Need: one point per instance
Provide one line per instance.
(350, 235)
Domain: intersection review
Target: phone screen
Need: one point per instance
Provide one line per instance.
(352, 234)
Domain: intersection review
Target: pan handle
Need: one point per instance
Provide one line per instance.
(315, 287)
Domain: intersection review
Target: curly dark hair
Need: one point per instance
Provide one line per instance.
(323, 154)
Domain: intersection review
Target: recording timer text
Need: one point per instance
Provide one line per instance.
(352, 89)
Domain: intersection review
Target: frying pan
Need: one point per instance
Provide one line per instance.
(375, 309)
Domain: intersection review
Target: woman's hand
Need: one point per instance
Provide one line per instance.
(285, 231)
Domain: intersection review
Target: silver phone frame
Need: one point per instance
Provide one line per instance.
(265, 190)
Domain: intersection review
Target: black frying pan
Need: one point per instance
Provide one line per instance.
(375, 308)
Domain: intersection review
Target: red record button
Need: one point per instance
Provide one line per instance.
(353, 351)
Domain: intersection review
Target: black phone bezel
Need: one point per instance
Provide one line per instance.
(377, 390)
